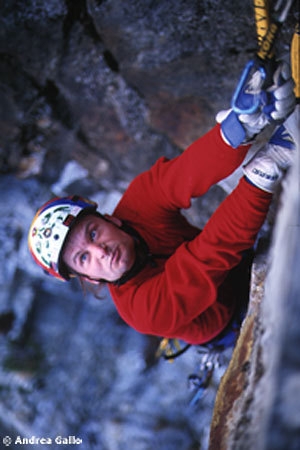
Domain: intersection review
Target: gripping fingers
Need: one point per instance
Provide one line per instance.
(280, 100)
(282, 73)
(285, 90)
(285, 71)
(283, 108)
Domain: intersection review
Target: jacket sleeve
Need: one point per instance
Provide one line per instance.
(204, 163)
(171, 184)
(156, 196)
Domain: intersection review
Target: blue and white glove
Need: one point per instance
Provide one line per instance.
(265, 170)
(274, 105)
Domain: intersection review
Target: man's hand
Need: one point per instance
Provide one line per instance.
(265, 170)
(275, 104)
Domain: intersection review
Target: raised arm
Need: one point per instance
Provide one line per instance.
(171, 184)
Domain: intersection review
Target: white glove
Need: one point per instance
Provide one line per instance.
(265, 170)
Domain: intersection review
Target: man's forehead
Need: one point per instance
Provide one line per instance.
(82, 223)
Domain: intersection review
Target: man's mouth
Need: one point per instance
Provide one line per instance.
(115, 256)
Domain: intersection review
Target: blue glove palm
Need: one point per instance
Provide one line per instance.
(274, 105)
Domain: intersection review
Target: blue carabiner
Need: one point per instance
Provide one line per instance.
(243, 102)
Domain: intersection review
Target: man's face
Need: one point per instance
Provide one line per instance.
(99, 249)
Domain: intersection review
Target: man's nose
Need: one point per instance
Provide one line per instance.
(101, 249)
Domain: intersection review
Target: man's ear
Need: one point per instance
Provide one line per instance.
(113, 220)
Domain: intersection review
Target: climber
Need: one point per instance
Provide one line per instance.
(167, 277)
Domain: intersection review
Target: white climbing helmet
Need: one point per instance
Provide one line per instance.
(49, 229)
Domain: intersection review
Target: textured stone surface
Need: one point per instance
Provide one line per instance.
(258, 396)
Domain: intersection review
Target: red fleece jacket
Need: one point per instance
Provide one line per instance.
(182, 296)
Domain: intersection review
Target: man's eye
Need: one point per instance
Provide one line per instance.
(93, 235)
(83, 258)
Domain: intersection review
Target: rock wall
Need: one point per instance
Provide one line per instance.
(258, 398)
(114, 84)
